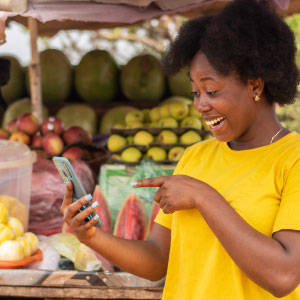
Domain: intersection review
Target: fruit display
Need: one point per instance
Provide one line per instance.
(160, 133)
(114, 117)
(71, 115)
(15, 209)
(14, 243)
(15, 87)
(142, 79)
(180, 83)
(56, 76)
(51, 138)
(131, 220)
(18, 108)
(96, 77)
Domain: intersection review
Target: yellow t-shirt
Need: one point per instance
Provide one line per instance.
(262, 185)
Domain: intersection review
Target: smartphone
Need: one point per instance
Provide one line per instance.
(67, 173)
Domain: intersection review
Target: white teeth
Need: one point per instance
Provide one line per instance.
(212, 122)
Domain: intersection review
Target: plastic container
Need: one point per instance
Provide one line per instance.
(16, 162)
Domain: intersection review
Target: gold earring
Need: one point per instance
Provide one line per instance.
(256, 98)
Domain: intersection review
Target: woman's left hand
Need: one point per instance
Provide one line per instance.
(176, 192)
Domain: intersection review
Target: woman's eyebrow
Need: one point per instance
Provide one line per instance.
(207, 78)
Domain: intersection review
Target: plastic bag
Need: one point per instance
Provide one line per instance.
(115, 183)
(67, 245)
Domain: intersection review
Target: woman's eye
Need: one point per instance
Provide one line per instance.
(211, 93)
(195, 94)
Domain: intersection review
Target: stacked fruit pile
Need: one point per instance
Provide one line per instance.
(161, 133)
(14, 243)
(48, 139)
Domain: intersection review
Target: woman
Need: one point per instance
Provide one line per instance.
(229, 224)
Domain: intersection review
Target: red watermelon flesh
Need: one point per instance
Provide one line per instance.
(154, 212)
(131, 220)
(102, 209)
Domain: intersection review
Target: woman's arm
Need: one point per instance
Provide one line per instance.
(273, 263)
(148, 259)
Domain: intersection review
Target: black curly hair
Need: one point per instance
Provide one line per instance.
(247, 37)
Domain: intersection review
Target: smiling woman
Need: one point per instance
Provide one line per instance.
(229, 225)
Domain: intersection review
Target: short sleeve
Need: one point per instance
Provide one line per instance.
(288, 215)
(164, 219)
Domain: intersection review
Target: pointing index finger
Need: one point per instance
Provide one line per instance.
(149, 182)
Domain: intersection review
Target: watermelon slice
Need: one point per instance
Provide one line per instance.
(154, 212)
(102, 209)
(131, 220)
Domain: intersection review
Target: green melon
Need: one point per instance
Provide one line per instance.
(114, 116)
(142, 79)
(18, 108)
(80, 115)
(56, 76)
(177, 99)
(97, 77)
(15, 88)
(180, 84)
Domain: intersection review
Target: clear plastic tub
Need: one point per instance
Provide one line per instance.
(16, 162)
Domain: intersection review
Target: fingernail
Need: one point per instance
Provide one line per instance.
(95, 204)
(88, 197)
(133, 183)
(67, 182)
(96, 217)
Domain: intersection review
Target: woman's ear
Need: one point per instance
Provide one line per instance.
(256, 87)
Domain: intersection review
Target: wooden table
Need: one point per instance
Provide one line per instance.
(76, 285)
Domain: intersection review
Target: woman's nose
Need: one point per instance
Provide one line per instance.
(201, 105)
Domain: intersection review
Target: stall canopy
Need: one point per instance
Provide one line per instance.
(56, 15)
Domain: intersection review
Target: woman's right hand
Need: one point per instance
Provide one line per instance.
(76, 220)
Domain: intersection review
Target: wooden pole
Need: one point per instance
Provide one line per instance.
(34, 71)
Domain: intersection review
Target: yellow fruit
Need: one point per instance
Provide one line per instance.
(190, 137)
(11, 250)
(33, 240)
(15, 208)
(116, 142)
(6, 233)
(143, 137)
(26, 246)
(3, 214)
(16, 225)
(156, 153)
(131, 154)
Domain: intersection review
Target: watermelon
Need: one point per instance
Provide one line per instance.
(115, 115)
(80, 115)
(97, 77)
(131, 220)
(142, 79)
(15, 88)
(102, 209)
(56, 76)
(18, 108)
(154, 212)
(180, 84)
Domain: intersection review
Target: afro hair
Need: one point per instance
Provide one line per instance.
(246, 37)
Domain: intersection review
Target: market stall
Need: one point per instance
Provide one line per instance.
(105, 170)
